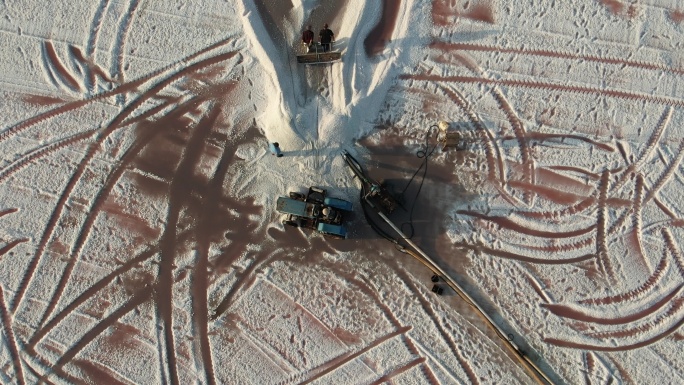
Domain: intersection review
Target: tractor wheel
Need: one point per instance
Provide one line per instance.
(296, 196)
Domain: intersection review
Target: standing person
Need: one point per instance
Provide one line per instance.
(307, 38)
(327, 37)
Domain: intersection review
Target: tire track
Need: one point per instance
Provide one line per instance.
(558, 248)
(490, 147)
(272, 353)
(90, 153)
(675, 307)
(127, 87)
(11, 339)
(89, 293)
(589, 365)
(446, 46)
(32, 156)
(626, 333)
(565, 311)
(93, 36)
(397, 371)
(8, 211)
(5, 249)
(634, 294)
(507, 223)
(664, 208)
(138, 299)
(57, 68)
(583, 90)
(343, 359)
(99, 199)
(116, 68)
(667, 175)
(169, 239)
(519, 131)
(637, 222)
(90, 69)
(246, 279)
(465, 366)
(582, 171)
(548, 192)
(365, 286)
(651, 145)
(674, 250)
(200, 270)
(602, 256)
(523, 258)
(513, 120)
(542, 137)
(49, 230)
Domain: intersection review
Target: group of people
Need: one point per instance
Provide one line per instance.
(325, 36)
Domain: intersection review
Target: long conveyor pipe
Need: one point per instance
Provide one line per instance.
(422, 257)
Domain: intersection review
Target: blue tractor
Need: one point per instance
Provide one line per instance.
(315, 211)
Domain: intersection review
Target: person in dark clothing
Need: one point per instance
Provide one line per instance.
(307, 38)
(326, 37)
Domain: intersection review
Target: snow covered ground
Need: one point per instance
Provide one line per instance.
(139, 241)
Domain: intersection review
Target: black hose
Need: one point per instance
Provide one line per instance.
(423, 154)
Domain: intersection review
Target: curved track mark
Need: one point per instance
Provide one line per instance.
(584, 205)
(556, 247)
(127, 87)
(467, 369)
(603, 258)
(645, 155)
(49, 230)
(633, 294)
(620, 94)
(169, 239)
(94, 34)
(669, 172)
(569, 312)
(581, 171)
(11, 245)
(674, 250)
(59, 70)
(541, 137)
(524, 258)
(200, 270)
(11, 340)
(511, 225)
(88, 294)
(548, 192)
(579, 345)
(116, 123)
(637, 222)
(519, 131)
(341, 360)
(8, 211)
(137, 300)
(246, 279)
(397, 371)
(26, 159)
(117, 67)
(445, 46)
(102, 196)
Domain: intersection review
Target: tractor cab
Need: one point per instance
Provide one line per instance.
(315, 211)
